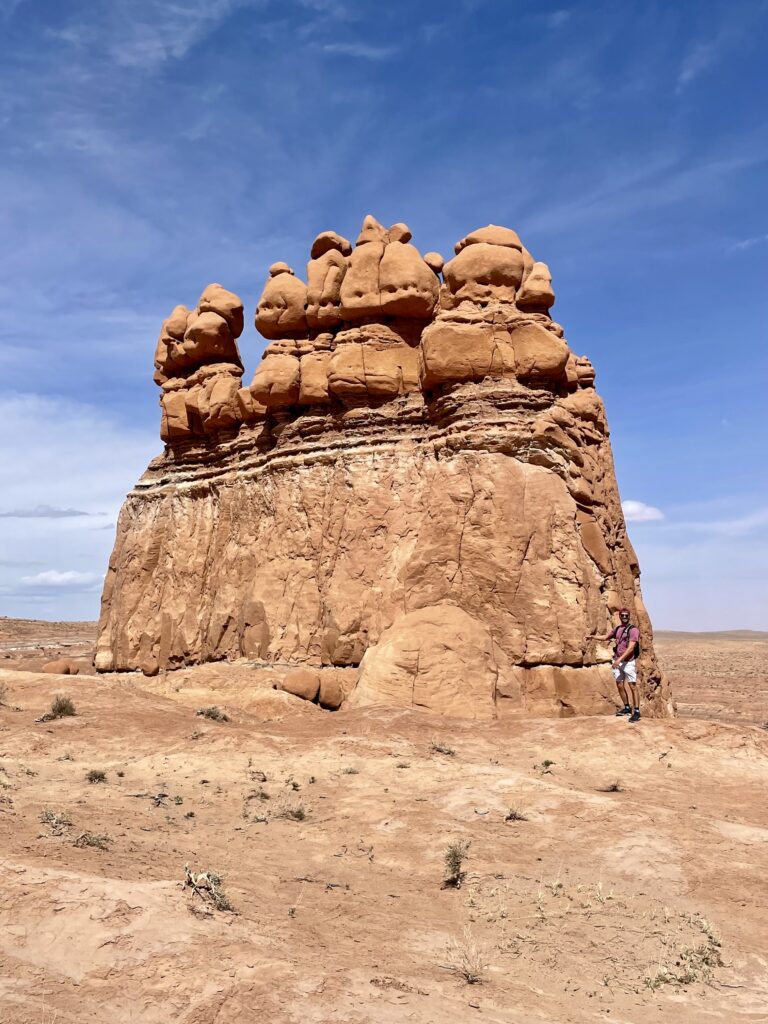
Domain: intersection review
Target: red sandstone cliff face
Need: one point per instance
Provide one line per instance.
(418, 482)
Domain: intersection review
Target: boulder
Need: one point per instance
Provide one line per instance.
(61, 667)
(536, 295)
(483, 273)
(304, 683)
(281, 312)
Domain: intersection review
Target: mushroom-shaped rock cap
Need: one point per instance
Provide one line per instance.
(176, 323)
(371, 231)
(434, 261)
(328, 240)
(217, 299)
(536, 294)
(280, 268)
(493, 234)
(281, 312)
(400, 233)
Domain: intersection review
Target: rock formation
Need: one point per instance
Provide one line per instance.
(417, 485)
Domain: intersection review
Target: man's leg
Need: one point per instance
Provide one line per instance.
(630, 673)
(618, 675)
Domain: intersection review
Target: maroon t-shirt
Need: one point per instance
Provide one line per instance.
(624, 638)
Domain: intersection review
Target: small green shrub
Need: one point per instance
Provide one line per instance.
(96, 775)
(61, 707)
(58, 820)
(454, 857)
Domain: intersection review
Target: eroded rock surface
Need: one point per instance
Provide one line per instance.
(418, 481)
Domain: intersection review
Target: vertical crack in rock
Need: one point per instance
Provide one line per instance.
(312, 515)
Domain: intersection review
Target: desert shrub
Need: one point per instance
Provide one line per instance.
(58, 820)
(99, 842)
(611, 787)
(454, 857)
(293, 813)
(214, 713)
(350, 771)
(466, 958)
(3, 693)
(61, 707)
(95, 775)
(438, 747)
(515, 814)
(209, 886)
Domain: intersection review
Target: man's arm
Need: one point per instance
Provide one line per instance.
(602, 639)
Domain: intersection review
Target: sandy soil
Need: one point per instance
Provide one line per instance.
(593, 901)
(722, 676)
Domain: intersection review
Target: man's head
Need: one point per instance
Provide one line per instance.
(624, 614)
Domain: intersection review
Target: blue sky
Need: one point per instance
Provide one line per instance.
(152, 146)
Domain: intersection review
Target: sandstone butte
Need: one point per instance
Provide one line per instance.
(412, 503)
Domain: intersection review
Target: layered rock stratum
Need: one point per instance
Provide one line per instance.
(417, 484)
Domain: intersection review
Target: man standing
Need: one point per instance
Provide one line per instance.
(626, 640)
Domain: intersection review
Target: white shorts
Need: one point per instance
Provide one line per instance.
(626, 672)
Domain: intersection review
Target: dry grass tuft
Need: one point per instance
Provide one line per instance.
(515, 814)
(95, 776)
(99, 842)
(61, 707)
(611, 787)
(438, 747)
(292, 812)
(214, 713)
(454, 857)
(58, 820)
(208, 886)
(466, 958)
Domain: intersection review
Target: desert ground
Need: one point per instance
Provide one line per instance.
(283, 863)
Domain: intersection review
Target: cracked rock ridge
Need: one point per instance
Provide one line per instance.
(417, 488)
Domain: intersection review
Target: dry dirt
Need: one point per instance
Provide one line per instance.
(638, 902)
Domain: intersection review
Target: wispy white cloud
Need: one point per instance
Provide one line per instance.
(736, 526)
(8, 8)
(45, 512)
(362, 50)
(639, 512)
(76, 458)
(143, 36)
(556, 19)
(748, 243)
(665, 180)
(71, 579)
(698, 60)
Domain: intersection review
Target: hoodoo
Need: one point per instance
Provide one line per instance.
(418, 484)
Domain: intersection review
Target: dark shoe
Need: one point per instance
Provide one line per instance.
(635, 716)
(623, 711)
